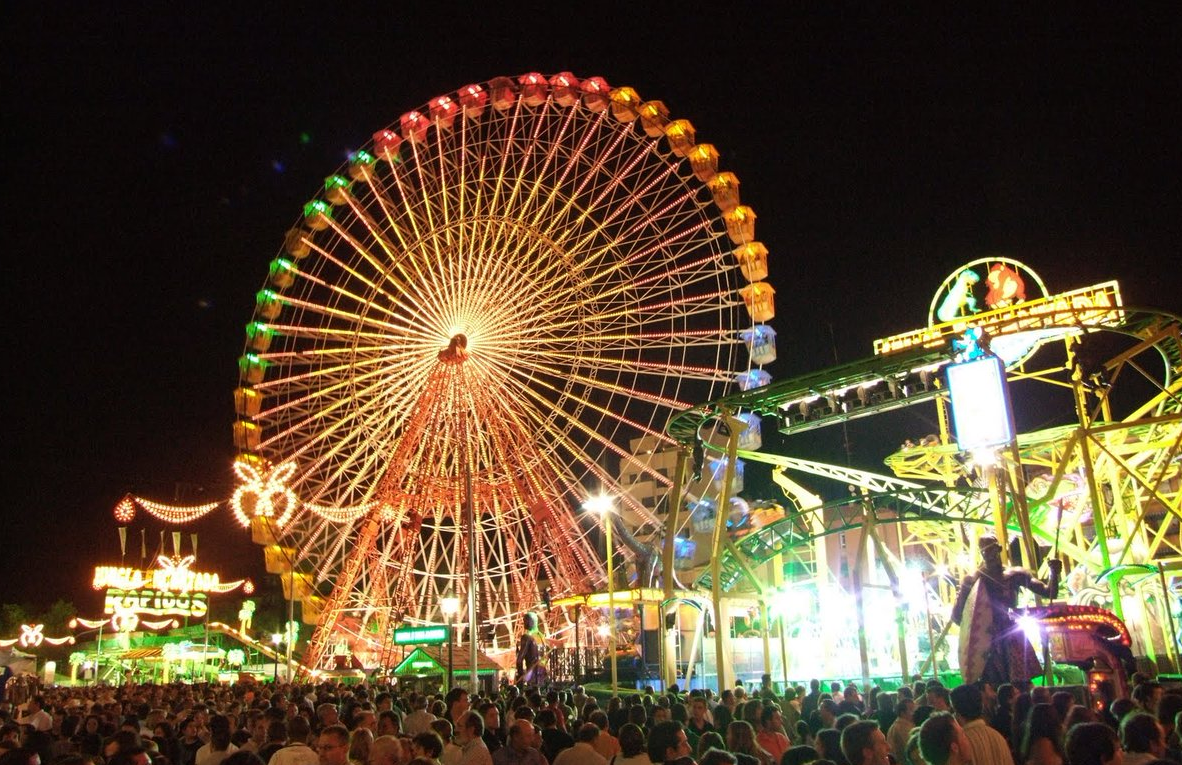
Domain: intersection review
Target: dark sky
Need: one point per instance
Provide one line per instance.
(156, 153)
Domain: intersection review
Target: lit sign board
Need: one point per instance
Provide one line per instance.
(1097, 304)
(420, 635)
(980, 403)
(156, 603)
(423, 665)
(172, 575)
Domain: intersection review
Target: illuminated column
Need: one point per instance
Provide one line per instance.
(450, 606)
(602, 505)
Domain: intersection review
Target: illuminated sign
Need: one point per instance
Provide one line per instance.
(423, 665)
(1098, 304)
(156, 603)
(420, 635)
(980, 404)
(172, 575)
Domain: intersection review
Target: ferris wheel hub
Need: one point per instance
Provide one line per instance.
(456, 351)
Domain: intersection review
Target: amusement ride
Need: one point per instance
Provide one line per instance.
(511, 304)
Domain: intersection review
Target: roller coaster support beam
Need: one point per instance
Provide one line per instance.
(669, 663)
(721, 628)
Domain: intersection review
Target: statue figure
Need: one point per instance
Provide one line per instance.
(531, 668)
(992, 646)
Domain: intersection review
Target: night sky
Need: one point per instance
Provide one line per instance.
(155, 157)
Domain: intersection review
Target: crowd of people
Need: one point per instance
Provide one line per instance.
(925, 723)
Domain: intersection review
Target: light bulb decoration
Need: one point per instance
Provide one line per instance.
(125, 510)
(33, 636)
(263, 494)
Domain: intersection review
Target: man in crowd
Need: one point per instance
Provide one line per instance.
(35, 715)
(988, 746)
(519, 748)
(419, 720)
(771, 732)
(583, 752)
(668, 743)
(297, 751)
(863, 743)
(942, 742)
(385, 750)
(470, 737)
(333, 745)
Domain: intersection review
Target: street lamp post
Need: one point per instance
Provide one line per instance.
(276, 639)
(450, 606)
(602, 504)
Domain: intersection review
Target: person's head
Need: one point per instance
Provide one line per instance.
(1147, 695)
(521, 735)
(328, 714)
(631, 740)
(277, 732)
(863, 743)
(801, 754)
(771, 719)
(243, 757)
(967, 702)
(990, 552)
(491, 714)
(1141, 732)
(905, 708)
(587, 733)
(828, 743)
(938, 698)
(20, 756)
(427, 744)
(942, 741)
(1168, 709)
(1092, 743)
(219, 733)
(333, 745)
(740, 737)
(1042, 723)
(667, 742)
(135, 755)
(388, 723)
(715, 756)
(471, 726)
(444, 729)
(457, 703)
(360, 741)
(386, 750)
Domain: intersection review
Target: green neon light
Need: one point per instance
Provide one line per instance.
(337, 182)
(420, 635)
(362, 157)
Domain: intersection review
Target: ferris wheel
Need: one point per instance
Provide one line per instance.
(489, 306)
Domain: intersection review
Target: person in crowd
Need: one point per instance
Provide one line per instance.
(419, 720)
(667, 743)
(863, 743)
(386, 750)
(606, 744)
(740, 740)
(1042, 737)
(276, 740)
(519, 746)
(942, 741)
(470, 738)
(828, 744)
(718, 757)
(801, 754)
(900, 730)
(583, 751)
(427, 745)
(219, 746)
(1142, 737)
(35, 714)
(709, 740)
(554, 739)
(360, 741)
(632, 747)
(296, 751)
(771, 732)
(494, 736)
(988, 747)
(332, 745)
(1092, 743)
(451, 751)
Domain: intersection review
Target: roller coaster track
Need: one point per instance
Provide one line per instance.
(886, 382)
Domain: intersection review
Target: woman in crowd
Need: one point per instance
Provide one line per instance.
(740, 741)
(1042, 737)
